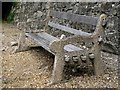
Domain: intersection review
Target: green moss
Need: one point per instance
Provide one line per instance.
(12, 13)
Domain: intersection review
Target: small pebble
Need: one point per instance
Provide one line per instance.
(14, 43)
(3, 49)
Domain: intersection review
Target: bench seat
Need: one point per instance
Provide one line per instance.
(40, 39)
(43, 40)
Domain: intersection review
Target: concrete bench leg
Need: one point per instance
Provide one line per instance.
(21, 44)
(57, 74)
(98, 64)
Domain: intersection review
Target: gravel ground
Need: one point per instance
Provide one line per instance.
(33, 68)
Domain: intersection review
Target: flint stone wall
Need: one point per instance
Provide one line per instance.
(32, 16)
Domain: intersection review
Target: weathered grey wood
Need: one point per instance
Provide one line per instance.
(71, 48)
(41, 41)
(37, 38)
(75, 17)
(68, 29)
(47, 36)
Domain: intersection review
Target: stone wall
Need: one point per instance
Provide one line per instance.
(32, 16)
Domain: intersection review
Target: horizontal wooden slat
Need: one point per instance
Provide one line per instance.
(68, 29)
(71, 48)
(47, 36)
(40, 41)
(35, 37)
(75, 17)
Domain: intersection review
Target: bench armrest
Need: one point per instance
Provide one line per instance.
(58, 45)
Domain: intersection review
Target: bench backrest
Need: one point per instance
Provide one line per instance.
(75, 17)
(90, 20)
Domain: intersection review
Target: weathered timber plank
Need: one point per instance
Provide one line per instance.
(68, 29)
(40, 41)
(75, 17)
(47, 36)
(71, 48)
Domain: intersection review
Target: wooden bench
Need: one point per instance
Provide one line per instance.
(88, 51)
